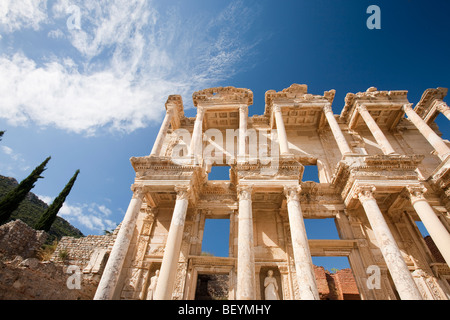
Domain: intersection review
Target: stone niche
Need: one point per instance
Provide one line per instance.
(276, 274)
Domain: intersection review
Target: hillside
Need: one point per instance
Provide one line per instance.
(32, 207)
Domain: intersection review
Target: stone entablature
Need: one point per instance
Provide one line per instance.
(381, 167)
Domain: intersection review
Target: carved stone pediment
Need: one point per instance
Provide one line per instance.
(223, 95)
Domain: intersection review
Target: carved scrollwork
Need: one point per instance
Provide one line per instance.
(327, 107)
(244, 192)
(364, 192)
(416, 193)
(292, 193)
(276, 108)
(138, 191)
(183, 192)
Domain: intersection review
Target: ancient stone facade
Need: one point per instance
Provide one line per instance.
(382, 166)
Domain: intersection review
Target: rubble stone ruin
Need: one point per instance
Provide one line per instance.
(382, 166)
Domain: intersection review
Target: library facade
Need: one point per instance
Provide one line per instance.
(382, 167)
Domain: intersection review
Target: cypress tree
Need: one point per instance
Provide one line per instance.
(12, 199)
(48, 216)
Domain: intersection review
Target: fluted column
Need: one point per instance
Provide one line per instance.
(162, 133)
(169, 263)
(108, 282)
(246, 258)
(403, 280)
(376, 131)
(243, 115)
(336, 130)
(304, 269)
(438, 144)
(281, 130)
(434, 226)
(197, 135)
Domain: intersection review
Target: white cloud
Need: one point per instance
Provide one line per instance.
(18, 14)
(91, 217)
(131, 57)
(7, 150)
(17, 160)
(48, 200)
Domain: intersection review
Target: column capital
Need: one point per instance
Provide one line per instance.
(327, 107)
(201, 110)
(170, 108)
(276, 108)
(245, 192)
(407, 106)
(441, 106)
(292, 193)
(361, 107)
(183, 192)
(416, 193)
(138, 191)
(243, 107)
(364, 192)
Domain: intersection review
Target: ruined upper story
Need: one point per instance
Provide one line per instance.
(371, 123)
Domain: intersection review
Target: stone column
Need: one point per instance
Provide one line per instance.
(281, 130)
(197, 135)
(375, 130)
(246, 259)
(171, 256)
(337, 133)
(443, 108)
(108, 282)
(243, 115)
(434, 226)
(438, 144)
(162, 133)
(304, 269)
(403, 280)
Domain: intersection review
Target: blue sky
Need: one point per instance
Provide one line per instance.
(91, 94)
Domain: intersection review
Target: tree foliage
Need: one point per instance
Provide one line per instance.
(48, 216)
(12, 199)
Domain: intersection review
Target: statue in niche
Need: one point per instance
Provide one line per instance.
(152, 286)
(271, 287)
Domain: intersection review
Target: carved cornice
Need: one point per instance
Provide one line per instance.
(222, 95)
(425, 105)
(295, 95)
(373, 97)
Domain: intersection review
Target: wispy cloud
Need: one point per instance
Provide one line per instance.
(130, 57)
(15, 15)
(16, 162)
(91, 217)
